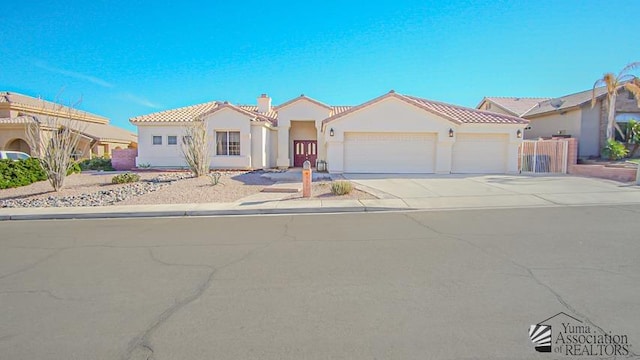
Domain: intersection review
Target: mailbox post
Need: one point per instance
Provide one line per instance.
(306, 179)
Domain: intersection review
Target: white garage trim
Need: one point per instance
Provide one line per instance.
(389, 152)
(480, 153)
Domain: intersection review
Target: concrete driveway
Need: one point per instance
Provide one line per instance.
(446, 191)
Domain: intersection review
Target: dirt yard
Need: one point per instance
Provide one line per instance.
(96, 189)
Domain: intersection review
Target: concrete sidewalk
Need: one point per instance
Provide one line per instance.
(398, 192)
(266, 205)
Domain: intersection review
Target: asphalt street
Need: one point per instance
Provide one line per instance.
(462, 284)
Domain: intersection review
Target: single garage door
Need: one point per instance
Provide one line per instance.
(480, 154)
(389, 152)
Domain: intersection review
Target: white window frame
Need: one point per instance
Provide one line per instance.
(153, 137)
(170, 136)
(227, 150)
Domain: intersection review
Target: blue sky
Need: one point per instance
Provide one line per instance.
(128, 58)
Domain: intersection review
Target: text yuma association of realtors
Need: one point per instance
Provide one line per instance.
(580, 340)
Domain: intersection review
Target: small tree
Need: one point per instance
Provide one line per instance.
(196, 149)
(615, 83)
(53, 139)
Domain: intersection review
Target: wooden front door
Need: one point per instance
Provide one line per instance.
(305, 150)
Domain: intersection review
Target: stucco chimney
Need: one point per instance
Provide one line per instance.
(264, 103)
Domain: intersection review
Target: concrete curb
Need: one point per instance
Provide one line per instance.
(192, 213)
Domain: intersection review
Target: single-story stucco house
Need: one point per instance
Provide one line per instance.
(569, 115)
(393, 133)
(97, 136)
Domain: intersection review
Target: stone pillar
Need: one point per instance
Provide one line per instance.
(283, 161)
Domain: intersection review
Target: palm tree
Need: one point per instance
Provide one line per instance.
(615, 83)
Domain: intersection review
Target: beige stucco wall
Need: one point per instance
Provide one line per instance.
(545, 126)
(8, 134)
(252, 142)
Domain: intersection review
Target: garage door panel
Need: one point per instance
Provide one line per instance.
(480, 153)
(389, 152)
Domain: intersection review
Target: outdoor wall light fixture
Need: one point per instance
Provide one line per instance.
(450, 132)
(519, 134)
(331, 133)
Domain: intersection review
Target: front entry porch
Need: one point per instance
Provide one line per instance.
(299, 143)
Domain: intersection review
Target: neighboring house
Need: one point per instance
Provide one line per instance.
(392, 133)
(97, 136)
(569, 115)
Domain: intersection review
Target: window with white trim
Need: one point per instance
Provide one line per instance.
(172, 140)
(157, 140)
(228, 143)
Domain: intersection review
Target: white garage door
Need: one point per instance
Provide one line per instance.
(389, 152)
(480, 154)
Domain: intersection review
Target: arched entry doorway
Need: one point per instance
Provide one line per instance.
(18, 145)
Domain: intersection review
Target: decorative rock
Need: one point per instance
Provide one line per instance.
(100, 198)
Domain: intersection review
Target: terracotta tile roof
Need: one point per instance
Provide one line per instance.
(189, 113)
(254, 108)
(566, 102)
(36, 105)
(454, 113)
(100, 132)
(515, 105)
(467, 115)
(528, 107)
(339, 109)
(23, 119)
(183, 114)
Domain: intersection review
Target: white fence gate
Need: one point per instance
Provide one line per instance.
(543, 156)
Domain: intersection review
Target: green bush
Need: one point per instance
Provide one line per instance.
(74, 169)
(614, 150)
(20, 173)
(341, 187)
(125, 178)
(97, 163)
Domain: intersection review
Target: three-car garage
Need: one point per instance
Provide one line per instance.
(400, 134)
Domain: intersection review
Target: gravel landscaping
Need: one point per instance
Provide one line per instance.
(321, 190)
(96, 189)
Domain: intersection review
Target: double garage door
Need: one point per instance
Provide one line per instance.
(367, 152)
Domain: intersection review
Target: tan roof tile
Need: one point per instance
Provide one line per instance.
(189, 113)
(101, 132)
(183, 114)
(515, 105)
(35, 105)
(454, 113)
(467, 115)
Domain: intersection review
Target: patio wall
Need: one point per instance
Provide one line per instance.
(124, 159)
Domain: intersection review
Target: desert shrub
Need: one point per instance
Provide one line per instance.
(74, 169)
(125, 178)
(20, 173)
(97, 163)
(215, 178)
(341, 187)
(614, 150)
